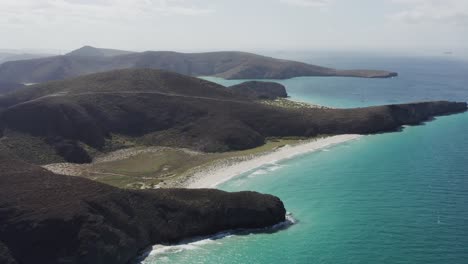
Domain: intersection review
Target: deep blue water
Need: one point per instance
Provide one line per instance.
(388, 198)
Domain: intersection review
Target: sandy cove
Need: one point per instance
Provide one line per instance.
(222, 172)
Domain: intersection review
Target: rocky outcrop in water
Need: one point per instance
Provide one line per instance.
(50, 218)
(260, 90)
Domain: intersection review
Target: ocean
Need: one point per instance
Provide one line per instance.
(389, 198)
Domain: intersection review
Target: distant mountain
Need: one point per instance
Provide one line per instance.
(88, 51)
(70, 118)
(6, 87)
(4, 57)
(228, 65)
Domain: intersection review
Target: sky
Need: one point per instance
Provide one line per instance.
(200, 25)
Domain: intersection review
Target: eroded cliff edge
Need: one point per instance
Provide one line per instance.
(50, 218)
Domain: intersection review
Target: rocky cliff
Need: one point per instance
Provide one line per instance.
(49, 218)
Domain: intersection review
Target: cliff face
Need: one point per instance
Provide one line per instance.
(260, 90)
(413, 114)
(49, 218)
(386, 118)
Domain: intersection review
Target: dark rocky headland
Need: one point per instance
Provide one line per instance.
(50, 218)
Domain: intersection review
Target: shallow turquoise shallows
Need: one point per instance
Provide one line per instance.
(388, 198)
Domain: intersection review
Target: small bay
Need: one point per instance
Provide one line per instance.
(388, 198)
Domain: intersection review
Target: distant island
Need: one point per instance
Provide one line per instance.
(225, 64)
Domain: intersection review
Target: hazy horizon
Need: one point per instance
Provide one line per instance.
(428, 27)
(298, 55)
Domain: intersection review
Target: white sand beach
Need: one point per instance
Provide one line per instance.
(215, 175)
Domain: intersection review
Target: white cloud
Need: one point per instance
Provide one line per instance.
(453, 12)
(310, 3)
(48, 11)
(208, 24)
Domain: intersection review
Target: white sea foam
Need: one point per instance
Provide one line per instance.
(259, 172)
(274, 167)
(161, 252)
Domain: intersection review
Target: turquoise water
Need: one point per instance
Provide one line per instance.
(387, 198)
(419, 80)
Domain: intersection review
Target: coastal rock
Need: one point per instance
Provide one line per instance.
(388, 118)
(260, 90)
(50, 218)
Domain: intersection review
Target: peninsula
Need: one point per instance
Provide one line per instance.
(225, 64)
(50, 218)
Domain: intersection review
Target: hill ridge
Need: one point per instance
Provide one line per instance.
(228, 65)
(93, 51)
(159, 108)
